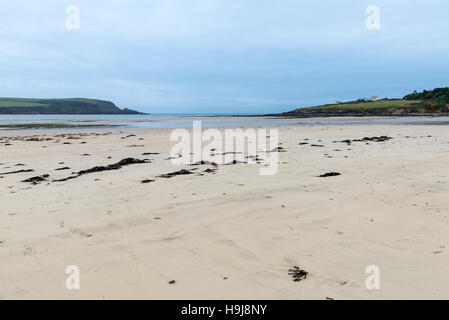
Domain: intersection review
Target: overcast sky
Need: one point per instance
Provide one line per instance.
(246, 56)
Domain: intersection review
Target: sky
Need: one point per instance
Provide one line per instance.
(222, 56)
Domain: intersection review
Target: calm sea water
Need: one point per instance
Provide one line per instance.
(185, 121)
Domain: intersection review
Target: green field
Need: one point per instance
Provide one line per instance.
(21, 102)
(365, 105)
(433, 102)
(60, 106)
(12, 102)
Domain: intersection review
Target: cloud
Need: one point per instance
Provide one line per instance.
(242, 56)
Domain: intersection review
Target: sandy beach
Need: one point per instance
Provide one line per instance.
(226, 233)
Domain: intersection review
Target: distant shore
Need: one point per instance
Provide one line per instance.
(67, 106)
(372, 108)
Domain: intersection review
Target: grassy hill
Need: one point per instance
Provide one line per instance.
(60, 106)
(433, 102)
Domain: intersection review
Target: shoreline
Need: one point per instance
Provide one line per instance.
(120, 123)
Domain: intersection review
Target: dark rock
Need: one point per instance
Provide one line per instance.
(279, 149)
(203, 162)
(234, 162)
(297, 274)
(37, 179)
(366, 139)
(330, 174)
(376, 139)
(115, 166)
(182, 172)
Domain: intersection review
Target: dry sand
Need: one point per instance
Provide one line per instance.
(233, 234)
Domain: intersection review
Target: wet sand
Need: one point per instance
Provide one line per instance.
(228, 232)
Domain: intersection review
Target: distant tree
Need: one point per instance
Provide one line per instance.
(440, 95)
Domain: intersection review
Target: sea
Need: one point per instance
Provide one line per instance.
(207, 120)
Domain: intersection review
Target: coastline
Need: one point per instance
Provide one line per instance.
(10, 123)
